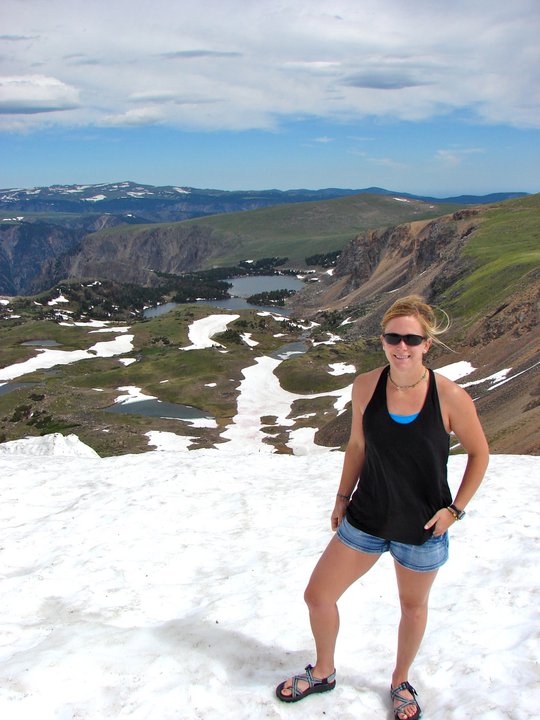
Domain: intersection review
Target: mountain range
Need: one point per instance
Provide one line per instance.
(124, 229)
(149, 203)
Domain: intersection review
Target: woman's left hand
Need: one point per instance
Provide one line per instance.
(441, 520)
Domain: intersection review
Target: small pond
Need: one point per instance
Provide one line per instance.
(9, 387)
(286, 351)
(42, 343)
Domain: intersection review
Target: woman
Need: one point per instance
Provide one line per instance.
(396, 457)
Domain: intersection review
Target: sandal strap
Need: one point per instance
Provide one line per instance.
(395, 695)
(310, 679)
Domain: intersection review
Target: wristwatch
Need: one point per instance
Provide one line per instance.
(457, 513)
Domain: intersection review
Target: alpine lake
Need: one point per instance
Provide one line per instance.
(242, 288)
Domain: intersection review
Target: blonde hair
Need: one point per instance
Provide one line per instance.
(415, 306)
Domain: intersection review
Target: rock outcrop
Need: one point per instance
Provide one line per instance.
(426, 254)
(135, 256)
(24, 248)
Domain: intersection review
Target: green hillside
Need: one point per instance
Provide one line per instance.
(294, 231)
(505, 250)
(299, 230)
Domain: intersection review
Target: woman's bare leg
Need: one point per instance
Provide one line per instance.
(338, 568)
(414, 588)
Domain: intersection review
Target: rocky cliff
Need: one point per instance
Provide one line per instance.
(23, 248)
(425, 254)
(133, 257)
(33, 254)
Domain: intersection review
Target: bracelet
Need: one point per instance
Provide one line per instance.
(452, 512)
(343, 497)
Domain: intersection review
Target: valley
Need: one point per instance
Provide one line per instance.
(480, 264)
(128, 231)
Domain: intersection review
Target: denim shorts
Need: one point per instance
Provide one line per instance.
(421, 558)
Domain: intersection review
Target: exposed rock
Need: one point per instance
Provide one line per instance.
(425, 255)
(133, 256)
(23, 249)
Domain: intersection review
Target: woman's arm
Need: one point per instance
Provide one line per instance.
(460, 411)
(354, 455)
(466, 426)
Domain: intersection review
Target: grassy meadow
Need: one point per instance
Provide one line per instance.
(74, 397)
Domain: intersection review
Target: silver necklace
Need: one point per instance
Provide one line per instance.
(407, 387)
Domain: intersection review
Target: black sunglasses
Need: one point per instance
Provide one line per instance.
(396, 338)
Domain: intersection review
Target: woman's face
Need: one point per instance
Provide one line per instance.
(405, 355)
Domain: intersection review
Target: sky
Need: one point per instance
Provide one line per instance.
(419, 96)
(169, 583)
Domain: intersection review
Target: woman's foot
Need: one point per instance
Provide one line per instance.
(406, 706)
(304, 684)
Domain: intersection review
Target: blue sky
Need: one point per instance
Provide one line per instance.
(420, 96)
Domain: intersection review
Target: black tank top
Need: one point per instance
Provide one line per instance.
(403, 481)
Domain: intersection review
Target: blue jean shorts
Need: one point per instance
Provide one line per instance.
(421, 558)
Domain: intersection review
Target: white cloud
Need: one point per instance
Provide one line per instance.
(198, 66)
(148, 115)
(30, 94)
(386, 163)
(456, 156)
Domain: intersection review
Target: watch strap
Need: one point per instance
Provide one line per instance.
(457, 513)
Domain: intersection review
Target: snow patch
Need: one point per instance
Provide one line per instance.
(456, 370)
(132, 394)
(168, 441)
(246, 337)
(48, 445)
(201, 331)
(60, 299)
(341, 369)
